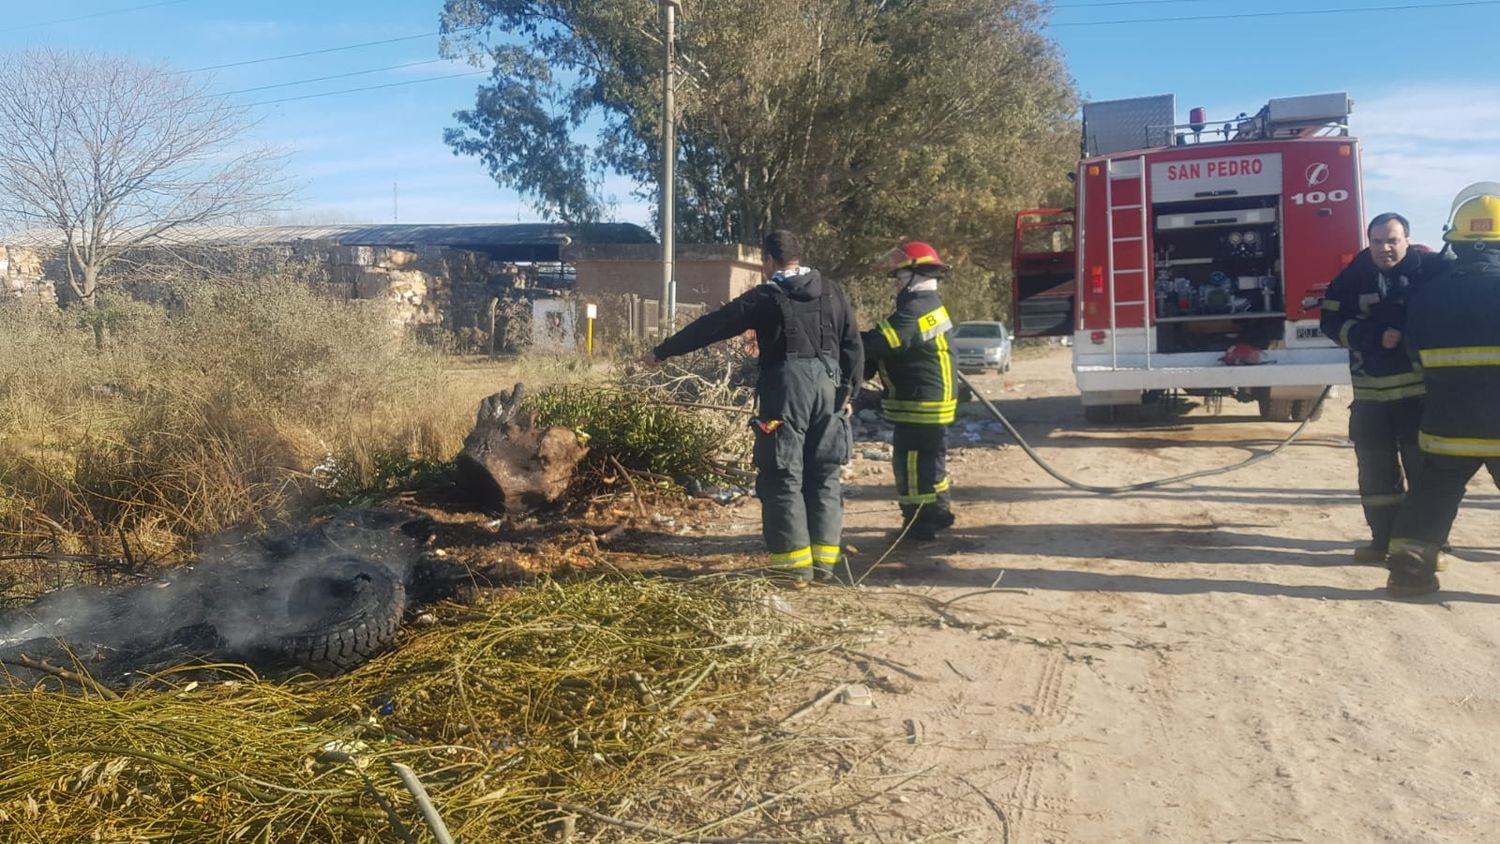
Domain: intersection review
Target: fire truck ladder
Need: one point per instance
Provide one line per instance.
(1127, 170)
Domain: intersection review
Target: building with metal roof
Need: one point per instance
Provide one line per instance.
(531, 242)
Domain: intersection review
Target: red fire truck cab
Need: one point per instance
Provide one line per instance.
(1189, 240)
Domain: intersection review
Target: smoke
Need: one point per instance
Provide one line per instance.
(245, 594)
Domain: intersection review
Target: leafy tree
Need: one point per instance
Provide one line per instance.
(856, 122)
(101, 155)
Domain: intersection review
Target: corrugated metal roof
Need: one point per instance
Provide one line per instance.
(474, 236)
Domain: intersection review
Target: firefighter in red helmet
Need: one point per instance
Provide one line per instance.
(910, 351)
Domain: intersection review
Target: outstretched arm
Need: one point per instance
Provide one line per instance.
(732, 320)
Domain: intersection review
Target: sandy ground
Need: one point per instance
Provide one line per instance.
(1197, 663)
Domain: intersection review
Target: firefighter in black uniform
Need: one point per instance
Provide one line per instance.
(1365, 312)
(1453, 329)
(810, 358)
(910, 350)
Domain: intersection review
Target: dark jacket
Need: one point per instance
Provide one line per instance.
(1361, 304)
(1453, 328)
(910, 350)
(826, 326)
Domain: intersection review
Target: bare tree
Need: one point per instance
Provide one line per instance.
(101, 155)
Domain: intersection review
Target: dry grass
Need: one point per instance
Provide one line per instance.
(644, 701)
(163, 423)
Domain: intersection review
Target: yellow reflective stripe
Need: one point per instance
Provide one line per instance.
(1390, 393)
(1459, 446)
(911, 474)
(793, 559)
(1413, 547)
(1344, 330)
(1461, 356)
(944, 417)
(920, 420)
(891, 337)
(885, 378)
(913, 404)
(941, 486)
(928, 498)
(945, 362)
(825, 553)
(1381, 382)
(1331, 305)
(1390, 500)
(921, 413)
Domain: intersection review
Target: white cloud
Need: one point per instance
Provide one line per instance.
(1422, 145)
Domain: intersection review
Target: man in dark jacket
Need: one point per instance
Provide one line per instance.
(910, 350)
(810, 358)
(1365, 312)
(1453, 329)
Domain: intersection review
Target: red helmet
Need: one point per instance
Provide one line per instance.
(1242, 354)
(917, 254)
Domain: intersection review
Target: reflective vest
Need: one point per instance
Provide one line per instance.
(910, 351)
(1361, 304)
(1453, 328)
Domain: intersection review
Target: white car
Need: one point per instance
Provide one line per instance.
(982, 345)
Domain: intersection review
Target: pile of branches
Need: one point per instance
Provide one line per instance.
(595, 705)
(684, 423)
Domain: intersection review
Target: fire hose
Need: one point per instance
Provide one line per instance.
(1176, 479)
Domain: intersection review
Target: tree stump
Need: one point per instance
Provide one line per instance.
(509, 464)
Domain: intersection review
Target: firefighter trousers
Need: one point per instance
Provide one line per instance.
(920, 458)
(802, 441)
(1385, 448)
(1427, 514)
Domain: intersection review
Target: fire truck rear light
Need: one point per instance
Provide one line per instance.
(1097, 337)
(1093, 169)
(1346, 150)
(1096, 281)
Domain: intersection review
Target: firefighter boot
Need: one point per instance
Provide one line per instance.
(1369, 555)
(939, 517)
(915, 525)
(833, 572)
(1413, 574)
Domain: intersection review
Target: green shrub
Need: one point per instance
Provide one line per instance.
(644, 433)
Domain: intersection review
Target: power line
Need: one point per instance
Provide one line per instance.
(368, 88)
(333, 76)
(1285, 14)
(1123, 3)
(321, 52)
(91, 15)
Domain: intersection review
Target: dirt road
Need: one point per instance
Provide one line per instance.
(1199, 663)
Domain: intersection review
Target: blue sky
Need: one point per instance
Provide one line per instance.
(1427, 104)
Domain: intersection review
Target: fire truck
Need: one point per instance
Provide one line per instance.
(1195, 255)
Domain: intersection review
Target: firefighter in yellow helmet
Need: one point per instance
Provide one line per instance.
(910, 351)
(1453, 331)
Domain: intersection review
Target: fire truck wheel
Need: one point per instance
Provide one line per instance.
(343, 616)
(1287, 410)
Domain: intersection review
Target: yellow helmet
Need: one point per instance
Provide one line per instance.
(1476, 214)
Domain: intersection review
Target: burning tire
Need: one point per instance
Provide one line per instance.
(343, 616)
